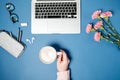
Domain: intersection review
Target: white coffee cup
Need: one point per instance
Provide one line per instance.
(48, 54)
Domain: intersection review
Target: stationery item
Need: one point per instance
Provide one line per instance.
(13, 16)
(19, 35)
(55, 16)
(48, 54)
(10, 44)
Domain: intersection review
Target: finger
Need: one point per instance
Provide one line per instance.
(59, 58)
(68, 61)
(64, 55)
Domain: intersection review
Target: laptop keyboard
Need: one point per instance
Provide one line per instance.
(56, 10)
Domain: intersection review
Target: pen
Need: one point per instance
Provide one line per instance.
(19, 35)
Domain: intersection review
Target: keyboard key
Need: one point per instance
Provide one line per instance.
(55, 10)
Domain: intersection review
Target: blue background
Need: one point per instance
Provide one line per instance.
(90, 60)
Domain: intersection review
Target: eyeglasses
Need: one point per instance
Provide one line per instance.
(14, 17)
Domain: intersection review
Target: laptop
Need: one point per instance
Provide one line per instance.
(55, 16)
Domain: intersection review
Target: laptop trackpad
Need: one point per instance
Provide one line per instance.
(40, 26)
(61, 26)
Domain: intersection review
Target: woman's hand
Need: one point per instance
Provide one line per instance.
(62, 62)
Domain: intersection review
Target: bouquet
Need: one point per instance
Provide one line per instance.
(104, 30)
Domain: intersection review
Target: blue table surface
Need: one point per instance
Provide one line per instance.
(90, 60)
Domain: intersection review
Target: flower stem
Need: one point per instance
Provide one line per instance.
(109, 22)
(111, 28)
(110, 40)
(107, 25)
(109, 33)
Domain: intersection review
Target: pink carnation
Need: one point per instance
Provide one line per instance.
(106, 14)
(96, 14)
(98, 25)
(89, 28)
(97, 36)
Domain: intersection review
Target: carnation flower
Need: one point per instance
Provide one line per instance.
(98, 25)
(103, 28)
(106, 14)
(88, 28)
(97, 36)
(96, 14)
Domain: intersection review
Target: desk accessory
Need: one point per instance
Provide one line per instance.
(13, 16)
(10, 44)
(103, 28)
(19, 35)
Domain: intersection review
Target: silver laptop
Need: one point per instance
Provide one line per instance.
(55, 16)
